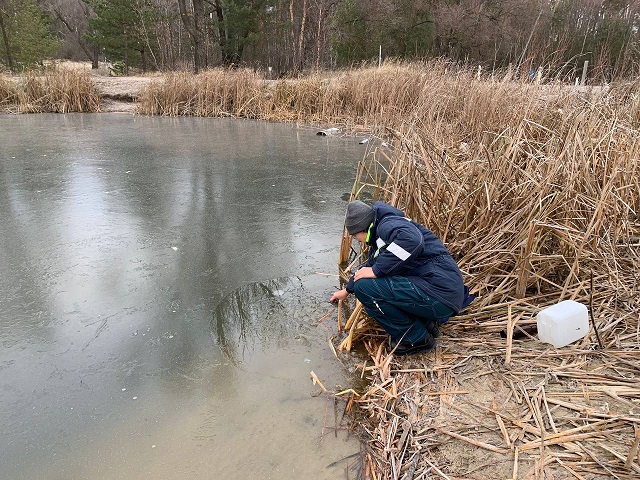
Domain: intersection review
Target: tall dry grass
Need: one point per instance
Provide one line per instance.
(8, 92)
(529, 210)
(535, 190)
(532, 188)
(60, 91)
(396, 95)
(534, 214)
(213, 93)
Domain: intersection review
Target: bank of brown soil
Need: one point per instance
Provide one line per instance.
(120, 94)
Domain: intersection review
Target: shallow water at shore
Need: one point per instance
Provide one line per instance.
(158, 302)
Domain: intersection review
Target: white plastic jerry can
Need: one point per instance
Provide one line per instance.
(563, 323)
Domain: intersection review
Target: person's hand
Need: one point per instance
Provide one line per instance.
(339, 295)
(364, 272)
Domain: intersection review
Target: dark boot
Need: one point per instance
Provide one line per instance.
(406, 348)
(432, 326)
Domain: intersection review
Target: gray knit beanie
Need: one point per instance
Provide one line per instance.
(359, 217)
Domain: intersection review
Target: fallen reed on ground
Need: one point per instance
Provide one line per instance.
(542, 207)
(61, 91)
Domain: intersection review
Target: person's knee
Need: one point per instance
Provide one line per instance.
(362, 288)
(357, 289)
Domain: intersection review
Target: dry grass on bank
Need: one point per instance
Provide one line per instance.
(368, 99)
(214, 93)
(540, 208)
(62, 91)
(8, 93)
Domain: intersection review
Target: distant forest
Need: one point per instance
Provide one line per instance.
(285, 37)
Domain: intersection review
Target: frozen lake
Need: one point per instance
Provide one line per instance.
(158, 299)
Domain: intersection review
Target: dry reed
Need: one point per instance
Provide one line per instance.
(8, 92)
(364, 99)
(213, 93)
(61, 91)
(534, 198)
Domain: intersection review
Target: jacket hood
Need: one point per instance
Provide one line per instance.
(382, 210)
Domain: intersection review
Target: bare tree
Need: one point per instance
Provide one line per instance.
(5, 36)
(75, 15)
(193, 20)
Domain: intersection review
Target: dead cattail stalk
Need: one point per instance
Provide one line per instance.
(593, 320)
(326, 315)
(476, 443)
(315, 379)
(509, 336)
(633, 451)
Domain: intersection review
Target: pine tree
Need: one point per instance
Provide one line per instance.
(239, 26)
(119, 29)
(27, 37)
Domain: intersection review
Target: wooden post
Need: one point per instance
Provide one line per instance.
(584, 72)
(380, 57)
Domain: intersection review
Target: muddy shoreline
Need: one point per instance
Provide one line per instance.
(119, 94)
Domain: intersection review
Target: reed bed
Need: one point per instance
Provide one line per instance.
(363, 99)
(60, 91)
(213, 93)
(8, 93)
(540, 209)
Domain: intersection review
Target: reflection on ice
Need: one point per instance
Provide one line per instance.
(118, 238)
(263, 315)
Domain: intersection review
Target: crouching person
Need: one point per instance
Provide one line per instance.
(410, 283)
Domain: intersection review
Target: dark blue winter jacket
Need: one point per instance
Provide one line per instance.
(400, 246)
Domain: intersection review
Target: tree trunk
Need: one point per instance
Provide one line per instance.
(95, 57)
(227, 59)
(293, 34)
(147, 43)
(90, 56)
(143, 58)
(126, 52)
(5, 39)
(191, 23)
(198, 23)
(303, 23)
(319, 37)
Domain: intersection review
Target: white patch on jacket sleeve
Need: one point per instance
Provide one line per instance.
(380, 243)
(398, 251)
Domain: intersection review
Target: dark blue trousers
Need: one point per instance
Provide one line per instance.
(402, 309)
